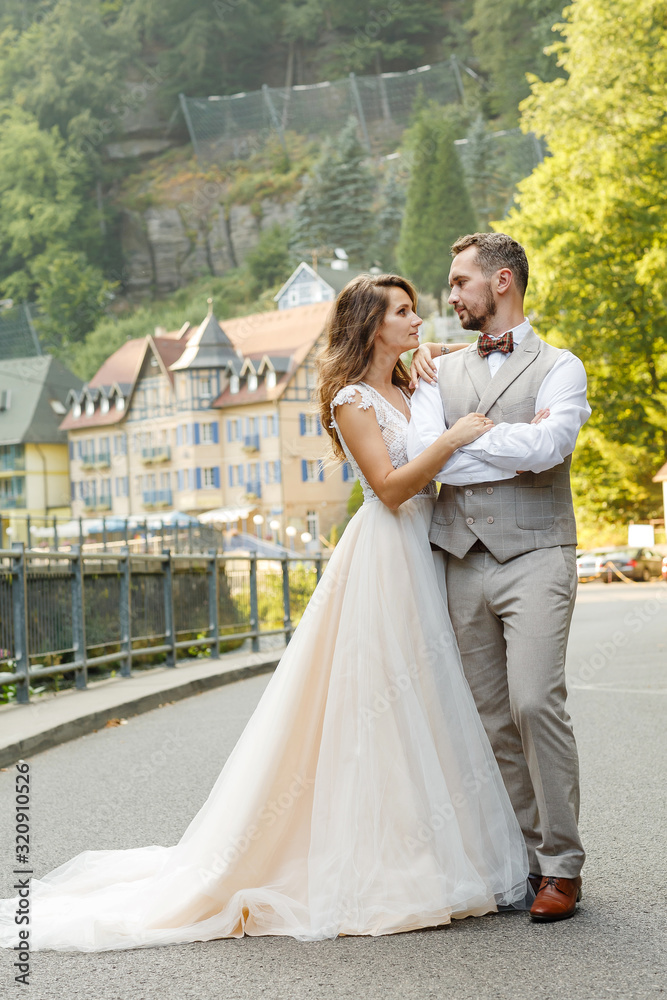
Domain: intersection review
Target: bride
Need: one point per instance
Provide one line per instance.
(363, 796)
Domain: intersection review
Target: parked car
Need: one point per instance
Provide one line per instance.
(635, 563)
(589, 564)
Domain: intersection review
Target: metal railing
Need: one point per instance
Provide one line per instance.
(159, 453)
(65, 612)
(157, 498)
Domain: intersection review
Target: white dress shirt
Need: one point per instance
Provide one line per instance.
(507, 448)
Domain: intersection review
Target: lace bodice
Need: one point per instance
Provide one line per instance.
(393, 425)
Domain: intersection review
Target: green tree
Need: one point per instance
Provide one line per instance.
(485, 171)
(438, 208)
(40, 204)
(592, 219)
(335, 206)
(509, 39)
(68, 68)
(389, 219)
(72, 295)
(271, 261)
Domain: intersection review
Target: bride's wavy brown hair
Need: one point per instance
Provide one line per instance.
(350, 336)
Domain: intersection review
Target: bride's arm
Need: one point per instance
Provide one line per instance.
(394, 486)
(421, 365)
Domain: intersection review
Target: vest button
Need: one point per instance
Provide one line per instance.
(490, 520)
(489, 489)
(470, 520)
(468, 493)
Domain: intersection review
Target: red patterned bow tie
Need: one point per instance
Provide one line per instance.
(487, 344)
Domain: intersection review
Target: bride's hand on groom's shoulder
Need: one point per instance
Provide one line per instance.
(422, 367)
(541, 415)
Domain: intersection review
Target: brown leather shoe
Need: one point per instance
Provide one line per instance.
(557, 898)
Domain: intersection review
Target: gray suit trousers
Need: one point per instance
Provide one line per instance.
(512, 621)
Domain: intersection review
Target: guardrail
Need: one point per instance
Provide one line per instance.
(65, 612)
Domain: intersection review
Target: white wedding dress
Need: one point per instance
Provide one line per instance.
(362, 797)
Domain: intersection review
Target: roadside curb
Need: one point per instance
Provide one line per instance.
(123, 707)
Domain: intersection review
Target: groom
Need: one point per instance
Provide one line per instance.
(505, 516)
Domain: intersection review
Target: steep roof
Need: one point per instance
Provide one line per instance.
(208, 347)
(33, 392)
(122, 370)
(333, 277)
(286, 335)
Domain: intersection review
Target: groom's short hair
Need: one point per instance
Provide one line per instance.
(496, 250)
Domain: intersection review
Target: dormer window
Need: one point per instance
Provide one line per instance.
(76, 410)
(205, 386)
(252, 383)
(90, 407)
(120, 403)
(104, 405)
(234, 384)
(270, 380)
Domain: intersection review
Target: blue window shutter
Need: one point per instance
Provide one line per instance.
(319, 426)
(241, 476)
(265, 426)
(320, 470)
(198, 480)
(71, 450)
(72, 491)
(196, 428)
(247, 426)
(304, 469)
(230, 475)
(302, 424)
(344, 472)
(214, 431)
(188, 434)
(276, 467)
(216, 476)
(229, 431)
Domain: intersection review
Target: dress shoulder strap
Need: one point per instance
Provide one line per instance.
(348, 394)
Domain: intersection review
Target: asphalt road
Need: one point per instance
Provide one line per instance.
(141, 784)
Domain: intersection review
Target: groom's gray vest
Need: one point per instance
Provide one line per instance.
(511, 516)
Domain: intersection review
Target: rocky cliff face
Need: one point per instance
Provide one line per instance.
(165, 247)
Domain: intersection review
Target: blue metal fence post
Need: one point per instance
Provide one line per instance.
(169, 626)
(254, 603)
(287, 614)
(126, 612)
(213, 621)
(79, 620)
(20, 603)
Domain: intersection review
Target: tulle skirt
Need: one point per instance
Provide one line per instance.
(362, 797)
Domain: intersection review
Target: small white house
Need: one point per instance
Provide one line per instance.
(306, 286)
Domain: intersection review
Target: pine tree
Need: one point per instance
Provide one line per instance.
(438, 208)
(485, 173)
(389, 219)
(335, 207)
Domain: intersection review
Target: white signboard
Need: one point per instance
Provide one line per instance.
(641, 535)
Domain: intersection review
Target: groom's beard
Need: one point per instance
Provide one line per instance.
(478, 320)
